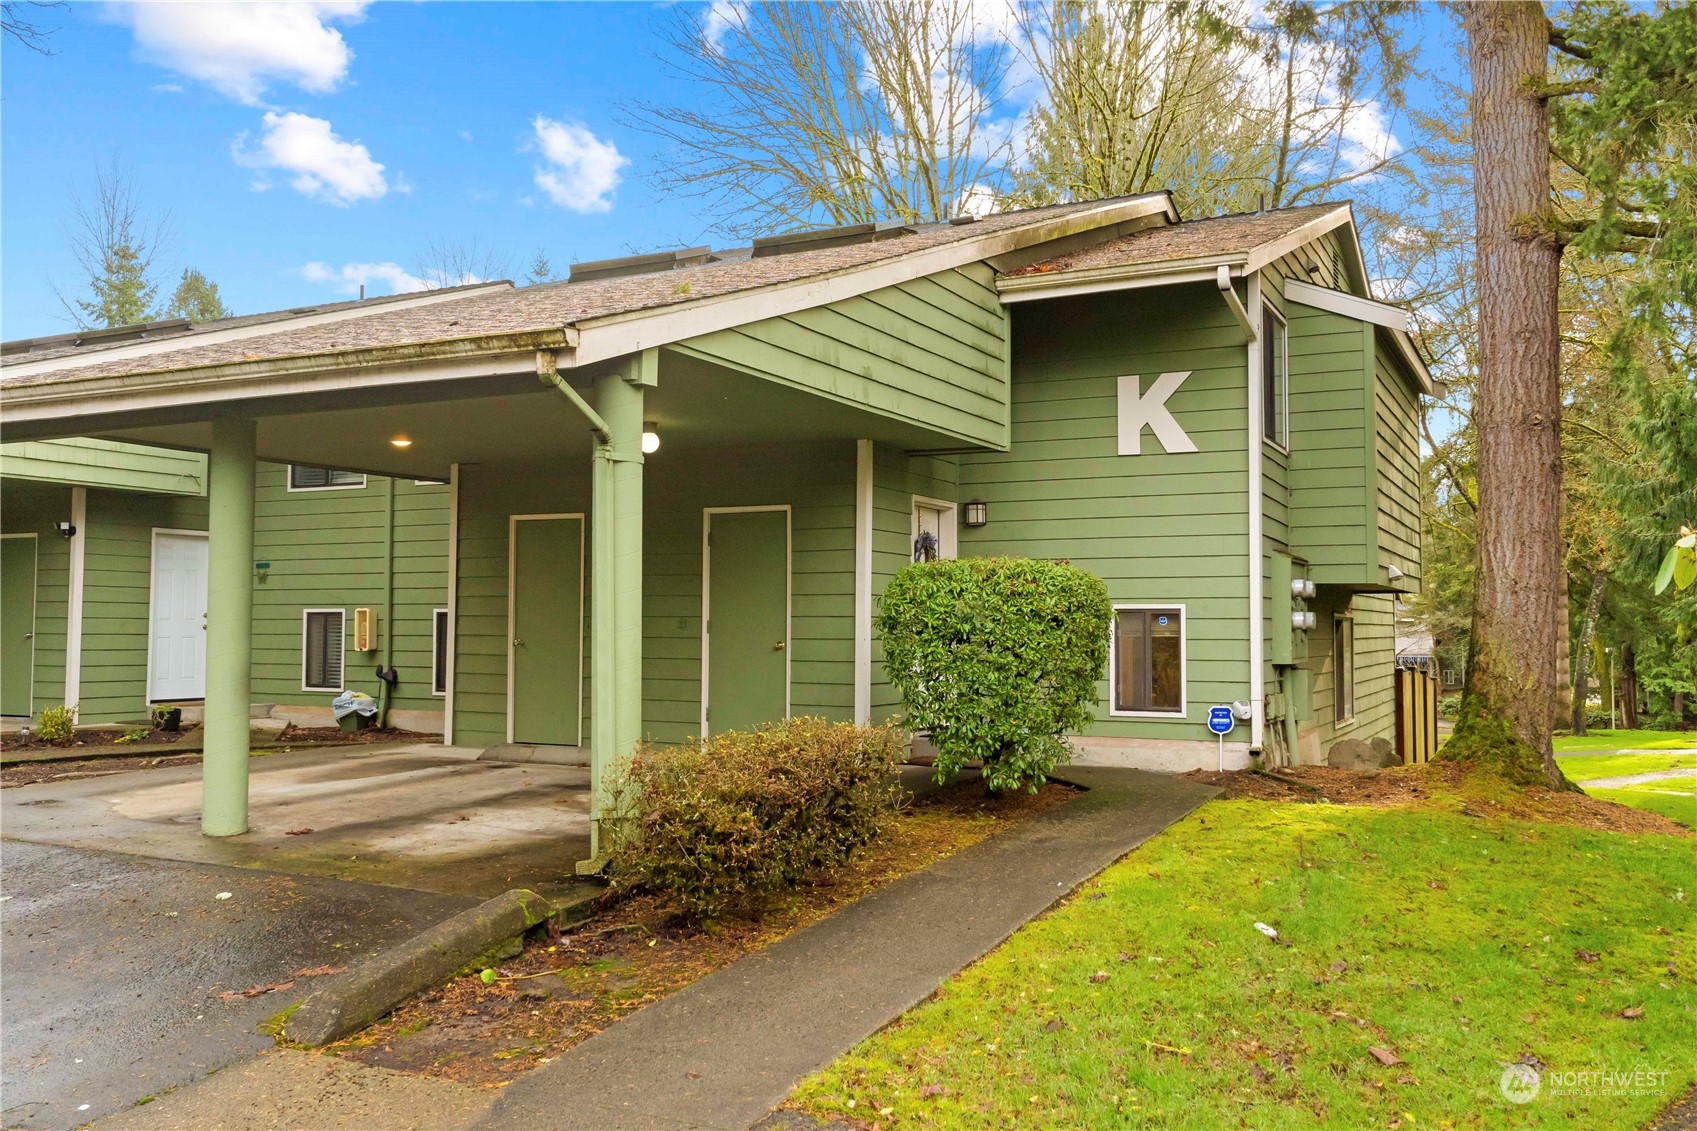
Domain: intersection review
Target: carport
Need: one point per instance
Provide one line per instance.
(771, 377)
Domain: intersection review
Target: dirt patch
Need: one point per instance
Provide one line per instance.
(292, 733)
(1439, 785)
(564, 989)
(34, 773)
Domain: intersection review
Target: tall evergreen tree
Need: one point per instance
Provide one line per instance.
(196, 298)
(115, 243)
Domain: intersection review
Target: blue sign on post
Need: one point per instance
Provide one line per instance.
(1220, 720)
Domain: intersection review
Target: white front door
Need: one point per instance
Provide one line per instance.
(177, 648)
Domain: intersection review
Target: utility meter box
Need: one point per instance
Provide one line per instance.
(365, 630)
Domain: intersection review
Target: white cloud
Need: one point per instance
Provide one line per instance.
(239, 49)
(977, 201)
(581, 171)
(723, 17)
(350, 277)
(323, 165)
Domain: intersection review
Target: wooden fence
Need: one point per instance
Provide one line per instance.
(1416, 715)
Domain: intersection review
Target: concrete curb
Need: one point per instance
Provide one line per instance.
(167, 750)
(375, 987)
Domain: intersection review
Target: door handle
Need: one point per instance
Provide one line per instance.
(779, 645)
(31, 636)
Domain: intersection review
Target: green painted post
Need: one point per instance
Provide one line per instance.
(616, 585)
(229, 628)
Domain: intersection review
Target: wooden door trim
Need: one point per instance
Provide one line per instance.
(513, 521)
(707, 514)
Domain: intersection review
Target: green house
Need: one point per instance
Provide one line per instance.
(105, 599)
(676, 483)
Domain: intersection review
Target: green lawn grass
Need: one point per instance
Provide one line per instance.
(1627, 740)
(1150, 999)
(1589, 767)
(1675, 799)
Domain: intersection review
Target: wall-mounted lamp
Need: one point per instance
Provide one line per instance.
(65, 529)
(650, 437)
(400, 442)
(977, 513)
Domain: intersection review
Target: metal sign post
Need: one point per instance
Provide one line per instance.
(1221, 721)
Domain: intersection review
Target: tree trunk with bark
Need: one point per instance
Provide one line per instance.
(1628, 688)
(1582, 654)
(1508, 715)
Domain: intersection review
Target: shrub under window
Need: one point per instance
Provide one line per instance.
(997, 658)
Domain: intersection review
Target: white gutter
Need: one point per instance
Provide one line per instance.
(73, 595)
(1257, 610)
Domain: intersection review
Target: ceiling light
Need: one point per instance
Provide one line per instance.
(650, 438)
(401, 442)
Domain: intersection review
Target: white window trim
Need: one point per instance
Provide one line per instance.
(289, 481)
(1183, 659)
(707, 514)
(305, 686)
(948, 537)
(1337, 676)
(438, 617)
(1284, 408)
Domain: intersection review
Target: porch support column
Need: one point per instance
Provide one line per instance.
(229, 628)
(615, 695)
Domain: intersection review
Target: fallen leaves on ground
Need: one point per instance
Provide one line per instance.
(319, 971)
(298, 832)
(1384, 1056)
(257, 990)
(570, 985)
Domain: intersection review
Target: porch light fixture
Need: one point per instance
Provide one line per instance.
(65, 529)
(977, 514)
(400, 442)
(650, 438)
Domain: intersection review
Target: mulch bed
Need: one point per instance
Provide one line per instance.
(293, 733)
(105, 736)
(1402, 786)
(34, 773)
(565, 989)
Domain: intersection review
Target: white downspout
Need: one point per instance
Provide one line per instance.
(1257, 542)
(863, 582)
(73, 596)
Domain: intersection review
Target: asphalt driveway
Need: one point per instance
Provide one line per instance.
(115, 950)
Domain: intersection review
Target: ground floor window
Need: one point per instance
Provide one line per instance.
(1343, 665)
(321, 650)
(1148, 659)
(439, 641)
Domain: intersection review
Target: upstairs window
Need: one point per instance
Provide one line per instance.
(321, 650)
(1148, 660)
(306, 478)
(1275, 384)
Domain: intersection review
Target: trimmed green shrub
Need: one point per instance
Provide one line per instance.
(997, 658)
(728, 823)
(56, 725)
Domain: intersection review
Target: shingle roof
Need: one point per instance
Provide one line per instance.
(551, 306)
(1193, 239)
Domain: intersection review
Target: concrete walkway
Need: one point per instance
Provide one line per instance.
(1639, 779)
(724, 1051)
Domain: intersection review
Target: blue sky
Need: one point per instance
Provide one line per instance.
(259, 132)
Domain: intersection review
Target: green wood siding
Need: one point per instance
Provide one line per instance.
(329, 550)
(106, 463)
(117, 590)
(932, 351)
(1375, 667)
(1155, 527)
(33, 508)
(1398, 465)
(815, 480)
(1330, 435)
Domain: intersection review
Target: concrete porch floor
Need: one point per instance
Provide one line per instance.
(431, 818)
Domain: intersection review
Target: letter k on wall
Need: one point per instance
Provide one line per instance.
(1138, 408)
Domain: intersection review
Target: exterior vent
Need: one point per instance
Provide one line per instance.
(830, 237)
(640, 264)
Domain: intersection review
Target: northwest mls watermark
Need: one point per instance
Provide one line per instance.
(1523, 1083)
